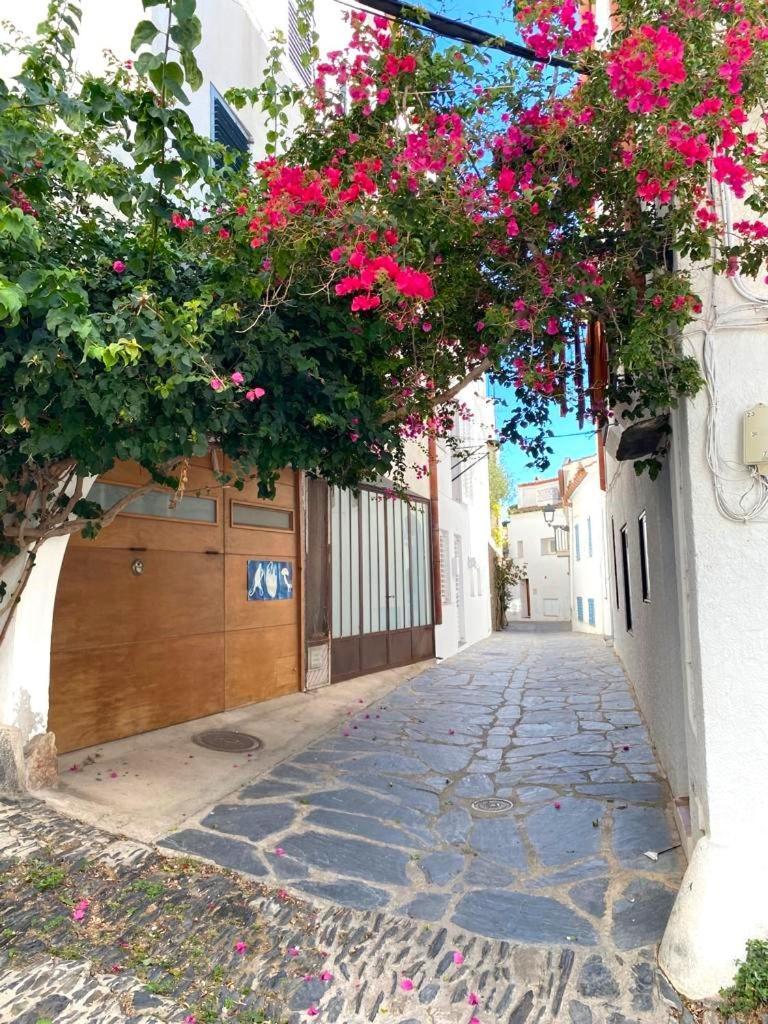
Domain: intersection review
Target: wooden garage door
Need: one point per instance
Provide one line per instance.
(175, 613)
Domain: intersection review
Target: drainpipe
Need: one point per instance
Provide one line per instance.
(434, 510)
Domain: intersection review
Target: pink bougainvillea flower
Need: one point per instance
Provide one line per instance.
(80, 910)
(283, 895)
(118, 266)
(216, 384)
(458, 958)
(294, 951)
(237, 377)
(309, 977)
(255, 393)
(473, 999)
(241, 947)
(326, 976)
(557, 805)
(190, 1019)
(279, 851)
(474, 1020)
(406, 984)
(312, 1011)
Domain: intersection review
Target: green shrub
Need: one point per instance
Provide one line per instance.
(749, 990)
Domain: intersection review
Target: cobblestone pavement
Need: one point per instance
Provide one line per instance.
(388, 871)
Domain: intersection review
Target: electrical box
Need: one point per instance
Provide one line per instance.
(756, 438)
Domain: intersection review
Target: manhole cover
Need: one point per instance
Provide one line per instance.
(228, 740)
(492, 805)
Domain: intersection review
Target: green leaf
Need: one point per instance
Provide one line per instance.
(144, 33)
(12, 298)
(191, 69)
(148, 62)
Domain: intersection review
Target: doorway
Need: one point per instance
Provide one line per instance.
(178, 610)
(381, 593)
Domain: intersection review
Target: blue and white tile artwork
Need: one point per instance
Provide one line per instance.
(269, 581)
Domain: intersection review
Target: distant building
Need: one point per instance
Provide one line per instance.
(584, 501)
(545, 594)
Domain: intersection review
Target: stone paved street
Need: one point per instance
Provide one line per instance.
(510, 791)
(366, 858)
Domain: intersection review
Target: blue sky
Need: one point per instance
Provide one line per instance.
(568, 441)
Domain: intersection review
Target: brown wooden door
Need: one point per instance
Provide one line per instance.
(152, 624)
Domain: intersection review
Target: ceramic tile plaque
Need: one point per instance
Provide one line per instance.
(269, 581)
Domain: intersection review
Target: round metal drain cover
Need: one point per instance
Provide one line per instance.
(492, 805)
(227, 740)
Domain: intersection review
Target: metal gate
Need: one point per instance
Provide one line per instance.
(381, 594)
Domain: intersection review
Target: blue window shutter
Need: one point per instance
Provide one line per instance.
(589, 536)
(576, 542)
(580, 609)
(591, 610)
(227, 130)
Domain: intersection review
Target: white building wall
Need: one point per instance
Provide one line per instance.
(549, 585)
(588, 551)
(650, 650)
(465, 528)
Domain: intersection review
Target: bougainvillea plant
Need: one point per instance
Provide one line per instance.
(432, 215)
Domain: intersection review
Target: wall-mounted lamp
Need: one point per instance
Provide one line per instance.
(549, 514)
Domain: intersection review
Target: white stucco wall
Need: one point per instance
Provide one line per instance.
(723, 585)
(548, 574)
(650, 653)
(589, 571)
(236, 39)
(465, 515)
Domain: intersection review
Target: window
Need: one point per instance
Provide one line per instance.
(551, 606)
(645, 569)
(589, 536)
(591, 610)
(580, 609)
(225, 127)
(155, 503)
(262, 516)
(615, 563)
(445, 568)
(299, 45)
(520, 549)
(577, 541)
(548, 546)
(625, 574)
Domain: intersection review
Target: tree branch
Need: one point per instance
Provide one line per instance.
(447, 396)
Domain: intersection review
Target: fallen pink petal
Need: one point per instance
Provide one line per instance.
(241, 947)
(279, 851)
(293, 951)
(326, 976)
(458, 958)
(312, 1011)
(406, 984)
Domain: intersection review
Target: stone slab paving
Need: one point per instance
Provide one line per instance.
(384, 813)
(366, 855)
(159, 943)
